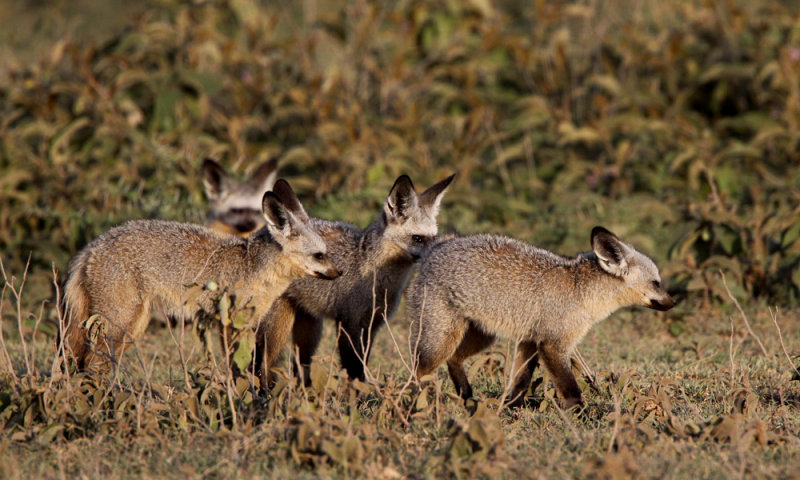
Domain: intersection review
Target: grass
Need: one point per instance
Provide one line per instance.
(674, 124)
(709, 402)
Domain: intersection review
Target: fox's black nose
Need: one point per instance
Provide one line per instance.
(245, 225)
(662, 305)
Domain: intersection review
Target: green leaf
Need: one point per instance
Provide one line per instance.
(728, 239)
(208, 83)
(244, 352)
(677, 327)
(240, 318)
(375, 173)
(166, 103)
(791, 235)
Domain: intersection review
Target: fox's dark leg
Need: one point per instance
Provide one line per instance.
(306, 335)
(272, 334)
(362, 337)
(473, 342)
(353, 351)
(560, 367)
(524, 365)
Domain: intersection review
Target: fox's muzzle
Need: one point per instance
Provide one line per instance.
(662, 305)
(328, 274)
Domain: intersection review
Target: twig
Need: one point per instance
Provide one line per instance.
(334, 399)
(140, 397)
(9, 366)
(60, 357)
(744, 317)
(181, 356)
(228, 376)
(566, 420)
(512, 374)
(780, 337)
(302, 383)
(732, 354)
(324, 399)
(33, 337)
(17, 299)
(618, 410)
(397, 346)
(587, 371)
(365, 349)
(112, 357)
(415, 350)
(409, 367)
(360, 358)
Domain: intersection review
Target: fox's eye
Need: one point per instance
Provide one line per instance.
(656, 284)
(319, 255)
(417, 239)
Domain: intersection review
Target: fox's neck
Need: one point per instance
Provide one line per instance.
(381, 255)
(601, 293)
(265, 262)
(372, 235)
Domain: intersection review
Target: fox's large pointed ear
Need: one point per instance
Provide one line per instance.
(432, 197)
(287, 196)
(215, 180)
(402, 199)
(263, 179)
(610, 251)
(279, 218)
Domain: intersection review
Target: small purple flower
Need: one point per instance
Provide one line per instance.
(591, 180)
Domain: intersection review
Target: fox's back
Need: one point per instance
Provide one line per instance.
(512, 287)
(157, 253)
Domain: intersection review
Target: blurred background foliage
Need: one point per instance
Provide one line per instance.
(675, 124)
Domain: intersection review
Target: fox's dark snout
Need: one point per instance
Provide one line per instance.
(245, 226)
(329, 274)
(662, 305)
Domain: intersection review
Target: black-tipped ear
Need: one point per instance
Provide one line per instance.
(432, 197)
(402, 198)
(285, 193)
(264, 177)
(277, 215)
(609, 250)
(215, 180)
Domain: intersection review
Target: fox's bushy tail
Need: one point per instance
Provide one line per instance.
(75, 311)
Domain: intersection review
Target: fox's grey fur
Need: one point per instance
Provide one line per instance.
(472, 289)
(375, 262)
(235, 207)
(121, 276)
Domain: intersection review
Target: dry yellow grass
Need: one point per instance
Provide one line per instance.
(675, 124)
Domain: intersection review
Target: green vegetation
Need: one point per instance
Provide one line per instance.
(674, 124)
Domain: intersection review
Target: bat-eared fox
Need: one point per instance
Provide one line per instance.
(470, 290)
